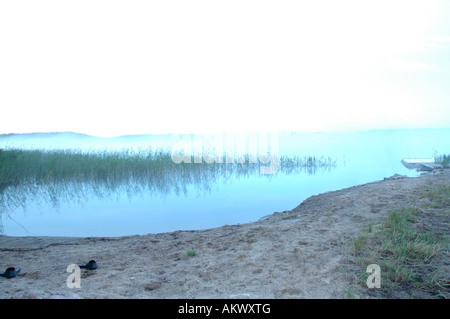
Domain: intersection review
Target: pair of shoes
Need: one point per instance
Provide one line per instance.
(10, 272)
(91, 265)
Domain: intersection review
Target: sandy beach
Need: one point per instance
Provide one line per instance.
(302, 253)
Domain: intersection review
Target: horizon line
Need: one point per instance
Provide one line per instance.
(228, 132)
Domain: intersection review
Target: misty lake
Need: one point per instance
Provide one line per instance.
(200, 195)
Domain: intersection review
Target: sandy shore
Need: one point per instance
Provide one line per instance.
(302, 253)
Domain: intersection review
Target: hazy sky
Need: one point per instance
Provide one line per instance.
(130, 67)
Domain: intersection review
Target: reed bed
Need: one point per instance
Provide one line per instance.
(66, 175)
(37, 166)
(442, 159)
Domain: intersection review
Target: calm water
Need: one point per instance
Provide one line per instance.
(216, 200)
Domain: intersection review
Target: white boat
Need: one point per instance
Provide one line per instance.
(426, 164)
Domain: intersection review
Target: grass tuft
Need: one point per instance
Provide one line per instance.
(442, 159)
(411, 254)
(191, 253)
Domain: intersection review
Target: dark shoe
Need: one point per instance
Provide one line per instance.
(91, 265)
(10, 272)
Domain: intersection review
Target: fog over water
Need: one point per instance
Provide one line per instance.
(200, 195)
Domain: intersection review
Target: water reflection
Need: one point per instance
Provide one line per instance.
(51, 183)
(118, 193)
